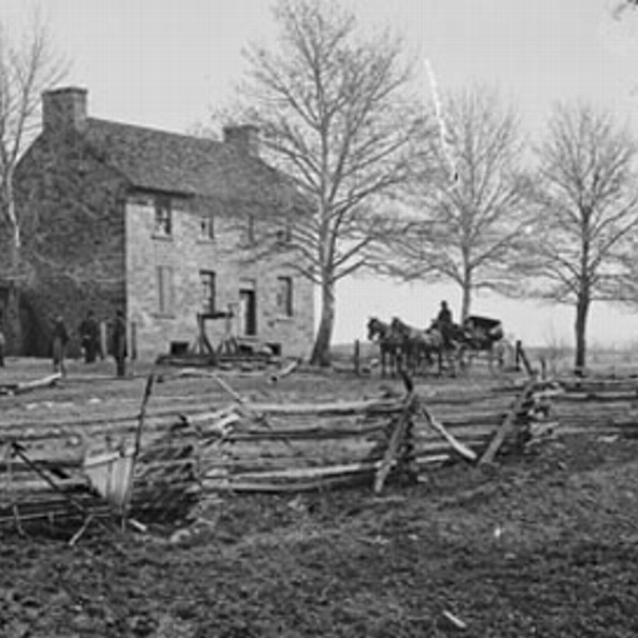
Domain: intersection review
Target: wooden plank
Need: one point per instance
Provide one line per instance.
(458, 447)
(396, 440)
(507, 425)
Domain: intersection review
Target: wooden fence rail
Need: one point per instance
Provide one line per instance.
(265, 447)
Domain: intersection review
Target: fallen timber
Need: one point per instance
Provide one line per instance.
(249, 446)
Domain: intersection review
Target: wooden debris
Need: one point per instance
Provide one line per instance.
(454, 620)
(285, 371)
(27, 386)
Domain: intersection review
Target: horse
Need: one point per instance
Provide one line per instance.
(390, 344)
(419, 346)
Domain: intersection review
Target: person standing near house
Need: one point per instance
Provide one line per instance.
(60, 339)
(119, 343)
(90, 337)
(444, 323)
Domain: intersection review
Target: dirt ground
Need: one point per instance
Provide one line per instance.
(541, 545)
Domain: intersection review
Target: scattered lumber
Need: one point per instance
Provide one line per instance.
(27, 386)
(287, 370)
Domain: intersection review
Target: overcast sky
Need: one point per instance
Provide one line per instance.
(164, 63)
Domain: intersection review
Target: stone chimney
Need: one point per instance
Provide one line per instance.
(64, 109)
(244, 137)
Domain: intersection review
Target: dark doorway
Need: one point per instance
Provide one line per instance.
(247, 312)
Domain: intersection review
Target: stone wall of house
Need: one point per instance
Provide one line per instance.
(71, 205)
(187, 252)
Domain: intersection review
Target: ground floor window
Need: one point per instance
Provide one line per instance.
(284, 296)
(208, 283)
(165, 290)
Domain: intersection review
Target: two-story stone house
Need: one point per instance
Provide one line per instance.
(157, 224)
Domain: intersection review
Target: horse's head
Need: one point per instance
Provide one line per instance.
(375, 328)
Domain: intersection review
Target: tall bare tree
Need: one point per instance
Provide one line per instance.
(29, 65)
(579, 247)
(470, 197)
(332, 105)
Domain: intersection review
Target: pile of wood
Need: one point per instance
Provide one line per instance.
(61, 472)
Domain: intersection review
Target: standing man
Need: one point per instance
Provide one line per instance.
(60, 339)
(90, 337)
(444, 323)
(119, 343)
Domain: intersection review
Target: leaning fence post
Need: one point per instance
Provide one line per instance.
(357, 357)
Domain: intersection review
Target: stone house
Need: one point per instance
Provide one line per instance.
(160, 225)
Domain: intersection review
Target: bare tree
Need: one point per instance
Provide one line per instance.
(621, 6)
(579, 247)
(28, 66)
(470, 196)
(332, 106)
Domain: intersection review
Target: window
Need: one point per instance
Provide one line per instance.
(207, 278)
(163, 217)
(284, 235)
(284, 296)
(250, 229)
(165, 290)
(206, 227)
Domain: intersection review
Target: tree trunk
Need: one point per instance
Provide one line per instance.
(582, 308)
(12, 311)
(466, 300)
(321, 349)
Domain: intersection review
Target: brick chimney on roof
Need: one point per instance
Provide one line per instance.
(64, 109)
(244, 137)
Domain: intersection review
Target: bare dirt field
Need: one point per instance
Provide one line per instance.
(545, 544)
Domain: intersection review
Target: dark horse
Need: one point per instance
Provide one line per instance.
(390, 344)
(420, 345)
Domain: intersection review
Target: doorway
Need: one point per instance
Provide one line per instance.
(247, 312)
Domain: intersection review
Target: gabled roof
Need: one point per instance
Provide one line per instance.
(163, 161)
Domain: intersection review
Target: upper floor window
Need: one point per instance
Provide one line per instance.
(163, 216)
(250, 229)
(284, 234)
(208, 283)
(206, 227)
(284, 296)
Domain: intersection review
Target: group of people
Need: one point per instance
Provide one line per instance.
(90, 341)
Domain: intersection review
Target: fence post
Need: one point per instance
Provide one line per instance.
(357, 357)
(517, 359)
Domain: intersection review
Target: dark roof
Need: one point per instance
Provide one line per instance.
(158, 160)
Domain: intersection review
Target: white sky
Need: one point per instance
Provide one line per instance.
(164, 63)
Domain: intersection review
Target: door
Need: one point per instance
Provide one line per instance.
(247, 312)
